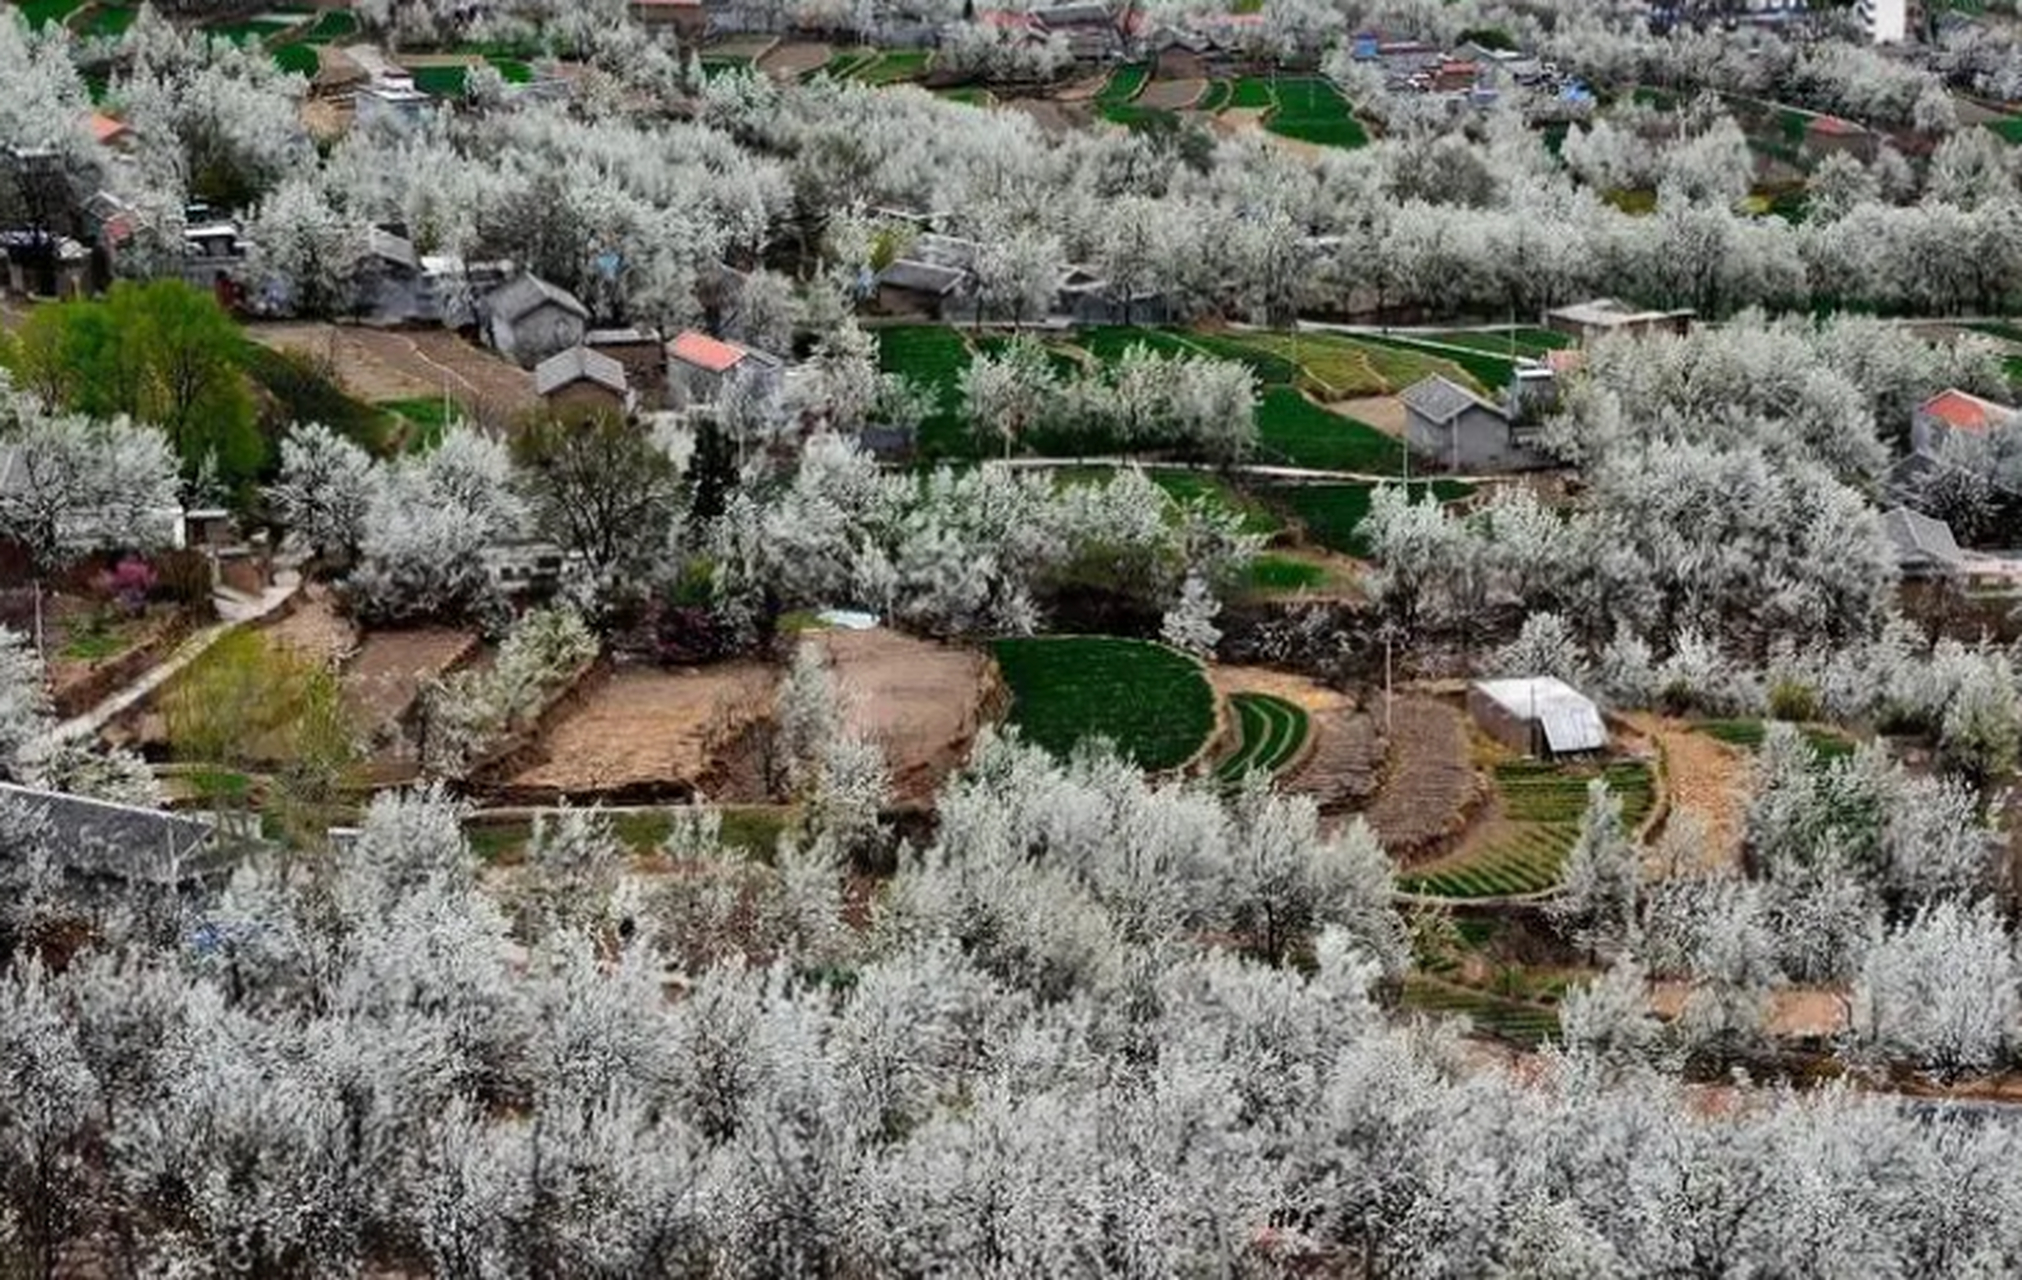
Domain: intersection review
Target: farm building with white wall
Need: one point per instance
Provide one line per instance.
(1538, 715)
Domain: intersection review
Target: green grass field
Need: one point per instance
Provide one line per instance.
(40, 13)
(1544, 802)
(1486, 371)
(937, 356)
(1108, 342)
(1526, 342)
(332, 24)
(1193, 486)
(1273, 730)
(1311, 110)
(892, 67)
(1151, 702)
(1827, 745)
(1333, 513)
(424, 421)
(1124, 83)
(302, 59)
(753, 829)
(1268, 573)
(968, 95)
(1251, 93)
(443, 82)
(1519, 1022)
(2009, 129)
(1216, 96)
(107, 20)
(1293, 430)
(843, 62)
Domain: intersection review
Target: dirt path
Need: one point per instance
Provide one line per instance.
(922, 702)
(1704, 777)
(1428, 779)
(645, 727)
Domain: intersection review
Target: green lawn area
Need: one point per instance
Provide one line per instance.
(1527, 342)
(1124, 83)
(1827, 745)
(425, 420)
(1332, 513)
(969, 96)
(1312, 110)
(332, 24)
(513, 70)
(1107, 343)
(443, 82)
(107, 20)
(1151, 702)
(1251, 93)
(1296, 432)
(1485, 371)
(893, 66)
(302, 59)
(2010, 129)
(1273, 730)
(934, 355)
(40, 13)
(844, 61)
(1269, 573)
(1216, 96)
(1544, 803)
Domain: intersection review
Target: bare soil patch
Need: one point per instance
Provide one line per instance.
(314, 630)
(921, 701)
(1345, 765)
(390, 669)
(1309, 695)
(645, 727)
(1172, 95)
(389, 364)
(1385, 413)
(1178, 64)
(1428, 779)
(1235, 120)
(1794, 1012)
(1052, 116)
(751, 46)
(1705, 777)
(795, 58)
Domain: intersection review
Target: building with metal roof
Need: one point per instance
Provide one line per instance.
(1537, 715)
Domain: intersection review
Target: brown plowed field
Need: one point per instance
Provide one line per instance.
(647, 727)
(1428, 778)
(921, 701)
(391, 668)
(398, 364)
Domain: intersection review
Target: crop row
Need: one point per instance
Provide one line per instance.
(1273, 730)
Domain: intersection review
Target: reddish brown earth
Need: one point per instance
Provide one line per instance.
(646, 727)
(1428, 778)
(921, 701)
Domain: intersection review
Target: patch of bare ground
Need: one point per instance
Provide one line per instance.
(389, 364)
(313, 630)
(644, 728)
(921, 701)
(744, 46)
(1178, 64)
(1172, 95)
(1428, 779)
(795, 58)
(1309, 695)
(390, 669)
(1794, 1012)
(1345, 764)
(1705, 777)
(1385, 413)
(1054, 117)
(1234, 120)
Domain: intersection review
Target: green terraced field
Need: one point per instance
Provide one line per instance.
(1251, 93)
(1547, 802)
(1151, 702)
(1528, 342)
(1333, 513)
(1293, 430)
(936, 356)
(1124, 83)
(1273, 730)
(1825, 744)
(1489, 372)
(1311, 110)
(893, 67)
(1519, 1022)
(40, 13)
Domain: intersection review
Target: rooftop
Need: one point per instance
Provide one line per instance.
(522, 296)
(922, 277)
(578, 364)
(1920, 540)
(705, 352)
(1571, 720)
(101, 839)
(1441, 399)
(1964, 411)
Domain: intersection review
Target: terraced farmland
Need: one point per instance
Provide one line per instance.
(1543, 803)
(1152, 702)
(1273, 730)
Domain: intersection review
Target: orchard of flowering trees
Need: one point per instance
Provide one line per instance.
(1024, 1061)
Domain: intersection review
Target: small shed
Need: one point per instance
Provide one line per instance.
(582, 381)
(1537, 715)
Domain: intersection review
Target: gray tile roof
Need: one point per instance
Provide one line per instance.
(578, 364)
(922, 277)
(100, 840)
(1441, 399)
(1920, 540)
(522, 295)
